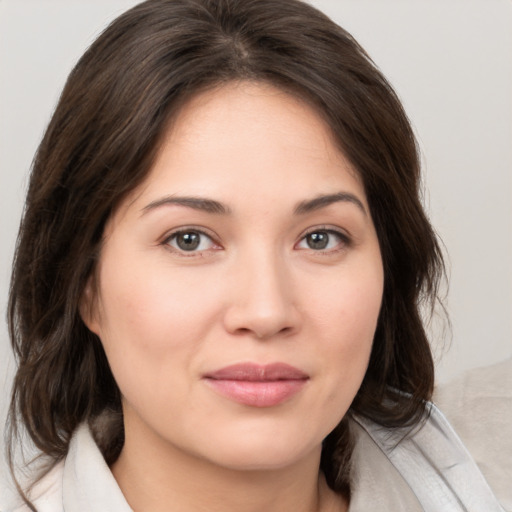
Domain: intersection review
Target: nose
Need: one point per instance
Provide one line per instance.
(262, 302)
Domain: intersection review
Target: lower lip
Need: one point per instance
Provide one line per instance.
(258, 394)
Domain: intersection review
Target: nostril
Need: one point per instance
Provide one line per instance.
(262, 333)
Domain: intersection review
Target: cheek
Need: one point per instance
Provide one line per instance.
(346, 319)
(348, 305)
(149, 304)
(151, 323)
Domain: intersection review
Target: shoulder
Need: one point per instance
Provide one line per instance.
(368, 489)
(479, 406)
(432, 461)
(81, 482)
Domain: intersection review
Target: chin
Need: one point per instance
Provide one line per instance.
(259, 450)
(268, 459)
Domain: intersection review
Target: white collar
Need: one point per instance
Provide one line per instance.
(426, 470)
(434, 463)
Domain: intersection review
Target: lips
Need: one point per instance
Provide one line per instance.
(257, 385)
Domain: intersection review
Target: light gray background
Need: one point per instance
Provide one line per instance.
(451, 63)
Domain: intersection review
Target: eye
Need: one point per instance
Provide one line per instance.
(190, 240)
(323, 240)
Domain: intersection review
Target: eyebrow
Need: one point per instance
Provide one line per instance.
(196, 203)
(325, 200)
(216, 207)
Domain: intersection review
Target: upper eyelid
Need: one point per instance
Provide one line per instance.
(184, 229)
(329, 229)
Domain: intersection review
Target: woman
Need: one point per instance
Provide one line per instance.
(215, 299)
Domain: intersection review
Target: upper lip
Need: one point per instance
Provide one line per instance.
(253, 372)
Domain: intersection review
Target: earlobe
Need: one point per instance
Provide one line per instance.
(88, 306)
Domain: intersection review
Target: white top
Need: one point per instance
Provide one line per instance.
(428, 470)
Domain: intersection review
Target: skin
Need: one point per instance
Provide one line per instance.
(254, 290)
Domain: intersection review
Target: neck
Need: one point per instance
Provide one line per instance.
(161, 478)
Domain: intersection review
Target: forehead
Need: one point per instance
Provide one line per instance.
(245, 138)
(255, 113)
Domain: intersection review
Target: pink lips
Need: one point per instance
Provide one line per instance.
(257, 385)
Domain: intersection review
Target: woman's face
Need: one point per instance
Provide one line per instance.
(239, 286)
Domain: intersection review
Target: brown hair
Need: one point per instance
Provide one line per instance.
(100, 144)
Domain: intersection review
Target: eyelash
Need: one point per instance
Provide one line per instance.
(345, 240)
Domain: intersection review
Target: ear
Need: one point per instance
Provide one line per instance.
(88, 306)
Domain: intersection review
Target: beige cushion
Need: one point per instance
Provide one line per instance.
(479, 406)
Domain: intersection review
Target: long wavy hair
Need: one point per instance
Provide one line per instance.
(100, 144)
